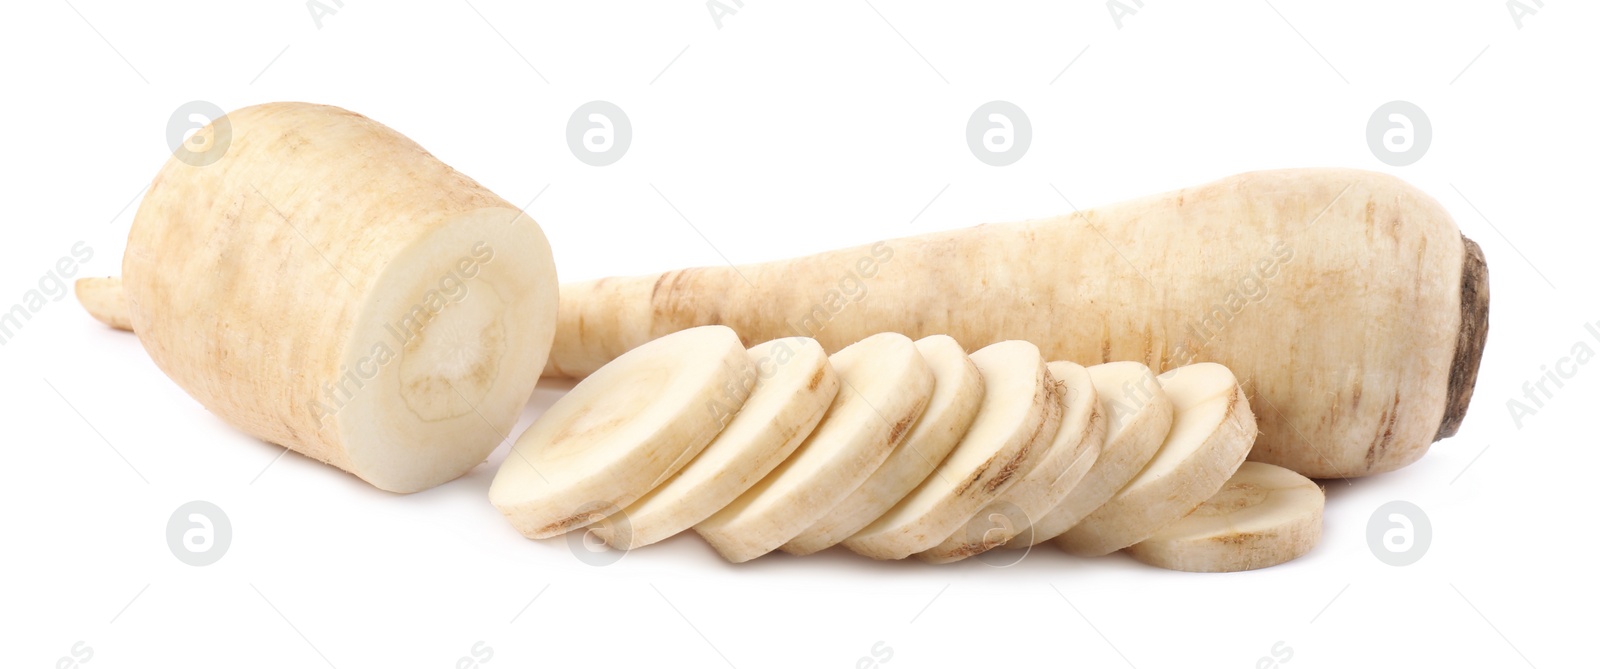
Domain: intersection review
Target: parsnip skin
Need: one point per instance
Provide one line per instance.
(957, 394)
(1264, 516)
(329, 286)
(1347, 302)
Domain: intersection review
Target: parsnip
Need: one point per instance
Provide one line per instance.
(793, 387)
(1264, 516)
(957, 393)
(1069, 457)
(1348, 303)
(1140, 416)
(886, 387)
(622, 431)
(1019, 417)
(328, 285)
(1212, 430)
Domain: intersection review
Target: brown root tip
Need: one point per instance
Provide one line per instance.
(102, 297)
(1469, 340)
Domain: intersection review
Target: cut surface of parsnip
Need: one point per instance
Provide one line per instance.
(321, 282)
(622, 431)
(1348, 300)
(1212, 429)
(1139, 416)
(1265, 515)
(884, 387)
(793, 387)
(957, 393)
(1065, 462)
(1016, 422)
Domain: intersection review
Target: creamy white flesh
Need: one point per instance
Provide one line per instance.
(1212, 431)
(1019, 415)
(1069, 457)
(622, 431)
(1140, 416)
(793, 388)
(1265, 515)
(885, 385)
(957, 393)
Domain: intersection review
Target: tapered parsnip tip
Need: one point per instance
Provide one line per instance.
(102, 297)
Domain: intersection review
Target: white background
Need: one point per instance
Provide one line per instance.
(792, 128)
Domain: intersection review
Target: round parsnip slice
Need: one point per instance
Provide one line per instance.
(622, 430)
(1069, 457)
(1140, 415)
(885, 387)
(1264, 515)
(793, 387)
(1020, 414)
(1212, 432)
(957, 392)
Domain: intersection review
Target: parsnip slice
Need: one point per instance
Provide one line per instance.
(794, 386)
(957, 393)
(1265, 515)
(1212, 432)
(1069, 457)
(622, 431)
(1020, 414)
(1140, 416)
(886, 387)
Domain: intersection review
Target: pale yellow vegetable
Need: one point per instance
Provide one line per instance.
(1264, 516)
(327, 285)
(957, 393)
(885, 388)
(622, 431)
(1347, 302)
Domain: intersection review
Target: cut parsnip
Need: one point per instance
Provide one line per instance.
(1212, 431)
(1020, 414)
(1139, 417)
(886, 387)
(1069, 457)
(957, 393)
(794, 386)
(1265, 515)
(622, 431)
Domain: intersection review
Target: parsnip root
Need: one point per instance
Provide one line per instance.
(1263, 516)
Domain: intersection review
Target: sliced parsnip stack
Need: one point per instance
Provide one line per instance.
(1020, 414)
(794, 386)
(1264, 515)
(886, 386)
(1212, 432)
(1069, 457)
(1140, 416)
(622, 430)
(957, 393)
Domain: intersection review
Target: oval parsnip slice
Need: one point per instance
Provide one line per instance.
(1070, 456)
(885, 387)
(957, 392)
(1140, 415)
(621, 431)
(1020, 414)
(793, 387)
(1265, 515)
(1212, 431)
